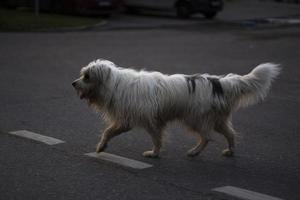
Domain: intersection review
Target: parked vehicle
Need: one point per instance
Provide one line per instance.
(83, 7)
(183, 8)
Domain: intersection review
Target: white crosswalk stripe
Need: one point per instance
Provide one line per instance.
(37, 137)
(244, 194)
(119, 160)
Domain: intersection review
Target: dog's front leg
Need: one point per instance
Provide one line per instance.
(156, 137)
(108, 134)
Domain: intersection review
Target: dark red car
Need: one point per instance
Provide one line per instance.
(87, 7)
(83, 7)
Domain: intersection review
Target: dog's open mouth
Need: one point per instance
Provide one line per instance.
(81, 94)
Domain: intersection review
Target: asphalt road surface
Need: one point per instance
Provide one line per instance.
(36, 95)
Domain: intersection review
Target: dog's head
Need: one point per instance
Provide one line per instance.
(92, 81)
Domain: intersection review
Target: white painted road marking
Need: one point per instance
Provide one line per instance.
(119, 160)
(37, 137)
(244, 194)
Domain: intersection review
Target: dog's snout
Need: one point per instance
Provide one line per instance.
(74, 84)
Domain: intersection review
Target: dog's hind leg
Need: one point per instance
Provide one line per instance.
(202, 143)
(109, 133)
(227, 130)
(156, 136)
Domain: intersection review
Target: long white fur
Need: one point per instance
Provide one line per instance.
(151, 99)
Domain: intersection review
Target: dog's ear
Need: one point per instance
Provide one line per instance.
(102, 73)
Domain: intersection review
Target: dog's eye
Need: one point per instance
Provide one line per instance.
(86, 77)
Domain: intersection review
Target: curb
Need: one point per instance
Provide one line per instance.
(62, 29)
(76, 28)
(268, 22)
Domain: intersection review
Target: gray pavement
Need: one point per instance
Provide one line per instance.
(33, 171)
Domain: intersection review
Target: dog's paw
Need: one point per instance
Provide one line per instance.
(150, 154)
(227, 153)
(100, 147)
(192, 153)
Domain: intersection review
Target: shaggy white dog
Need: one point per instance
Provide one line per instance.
(204, 103)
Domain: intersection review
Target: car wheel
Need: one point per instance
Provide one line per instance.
(106, 15)
(210, 15)
(132, 10)
(183, 10)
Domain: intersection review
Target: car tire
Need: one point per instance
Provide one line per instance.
(210, 15)
(132, 10)
(183, 10)
(106, 15)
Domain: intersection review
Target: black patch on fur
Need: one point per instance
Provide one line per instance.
(191, 82)
(217, 89)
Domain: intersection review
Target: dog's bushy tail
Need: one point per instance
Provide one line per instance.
(253, 87)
